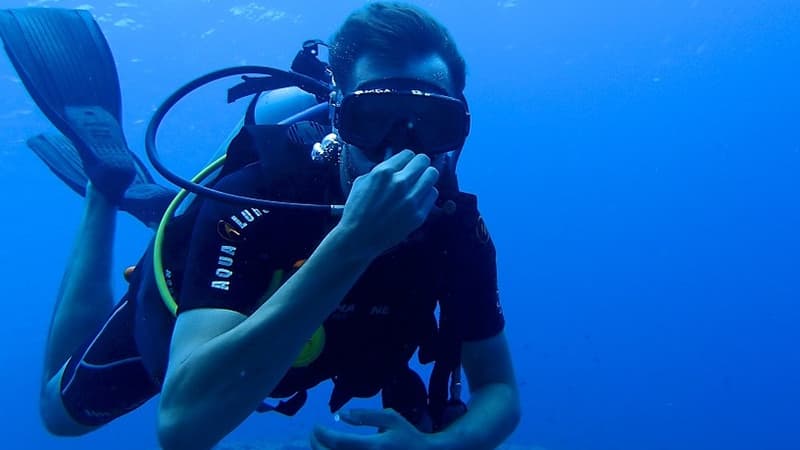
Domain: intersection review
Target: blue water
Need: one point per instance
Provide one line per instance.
(637, 162)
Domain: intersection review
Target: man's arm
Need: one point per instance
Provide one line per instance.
(222, 364)
(494, 407)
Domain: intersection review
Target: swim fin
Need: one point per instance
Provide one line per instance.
(143, 199)
(66, 65)
(58, 153)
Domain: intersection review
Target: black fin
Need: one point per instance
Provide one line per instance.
(65, 63)
(58, 153)
(144, 199)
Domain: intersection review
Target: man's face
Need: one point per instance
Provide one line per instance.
(430, 69)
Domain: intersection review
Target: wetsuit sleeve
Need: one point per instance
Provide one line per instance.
(472, 301)
(229, 263)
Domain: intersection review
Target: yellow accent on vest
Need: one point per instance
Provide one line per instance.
(312, 349)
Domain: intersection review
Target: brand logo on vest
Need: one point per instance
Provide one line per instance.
(380, 310)
(247, 216)
(343, 311)
(228, 232)
(224, 272)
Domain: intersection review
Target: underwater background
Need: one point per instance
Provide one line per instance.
(637, 163)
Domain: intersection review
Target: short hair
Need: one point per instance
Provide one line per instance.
(397, 32)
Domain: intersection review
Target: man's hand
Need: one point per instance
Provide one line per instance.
(395, 433)
(388, 203)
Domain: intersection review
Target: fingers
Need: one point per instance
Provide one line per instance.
(325, 439)
(414, 168)
(406, 165)
(378, 418)
(396, 162)
(419, 177)
(412, 171)
(314, 442)
(425, 182)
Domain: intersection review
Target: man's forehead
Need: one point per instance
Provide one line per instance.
(430, 69)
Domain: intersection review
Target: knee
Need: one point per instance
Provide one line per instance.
(55, 417)
(58, 426)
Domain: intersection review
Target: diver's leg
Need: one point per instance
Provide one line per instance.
(84, 299)
(104, 378)
(53, 411)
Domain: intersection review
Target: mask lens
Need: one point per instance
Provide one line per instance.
(440, 124)
(424, 123)
(366, 120)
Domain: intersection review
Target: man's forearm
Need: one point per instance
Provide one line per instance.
(216, 387)
(493, 414)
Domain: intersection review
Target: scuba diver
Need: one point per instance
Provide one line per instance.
(319, 247)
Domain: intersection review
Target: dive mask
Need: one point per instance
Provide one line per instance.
(401, 114)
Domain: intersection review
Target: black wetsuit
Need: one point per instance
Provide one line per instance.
(236, 255)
